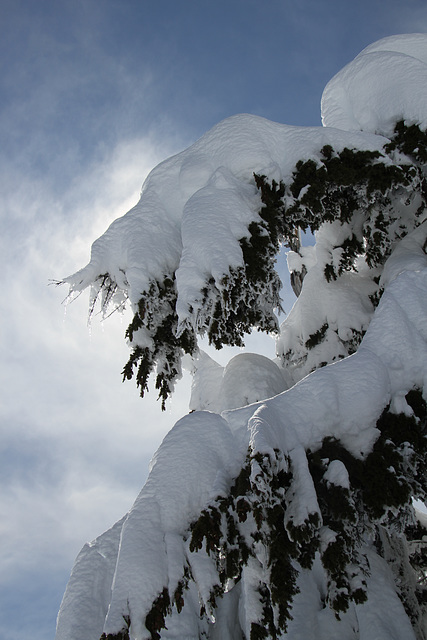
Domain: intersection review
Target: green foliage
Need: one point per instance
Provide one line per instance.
(178, 597)
(342, 186)
(258, 632)
(156, 317)
(121, 635)
(416, 536)
(249, 295)
(258, 497)
(242, 302)
(393, 472)
(340, 557)
(232, 528)
(316, 337)
(155, 620)
(381, 486)
(207, 528)
(410, 140)
(395, 469)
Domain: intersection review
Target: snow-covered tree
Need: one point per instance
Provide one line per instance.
(282, 507)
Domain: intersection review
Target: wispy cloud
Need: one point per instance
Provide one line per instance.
(75, 442)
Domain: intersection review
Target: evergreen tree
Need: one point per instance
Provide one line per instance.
(292, 517)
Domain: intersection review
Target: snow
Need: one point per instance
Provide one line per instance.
(89, 587)
(383, 616)
(194, 209)
(337, 474)
(247, 378)
(313, 621)
(385, 83)
(343, 305)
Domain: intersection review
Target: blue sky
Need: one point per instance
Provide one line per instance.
(93, 94)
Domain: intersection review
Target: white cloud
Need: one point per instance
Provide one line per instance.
(75, 442)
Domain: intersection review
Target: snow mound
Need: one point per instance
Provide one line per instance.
(247, 378)
(385, 83)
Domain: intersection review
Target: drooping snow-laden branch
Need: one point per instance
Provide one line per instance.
(217, 277)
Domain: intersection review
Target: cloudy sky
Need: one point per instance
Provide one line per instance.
(93, 94)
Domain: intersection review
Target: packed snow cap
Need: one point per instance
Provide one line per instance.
(281, 507)
(385, 83)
